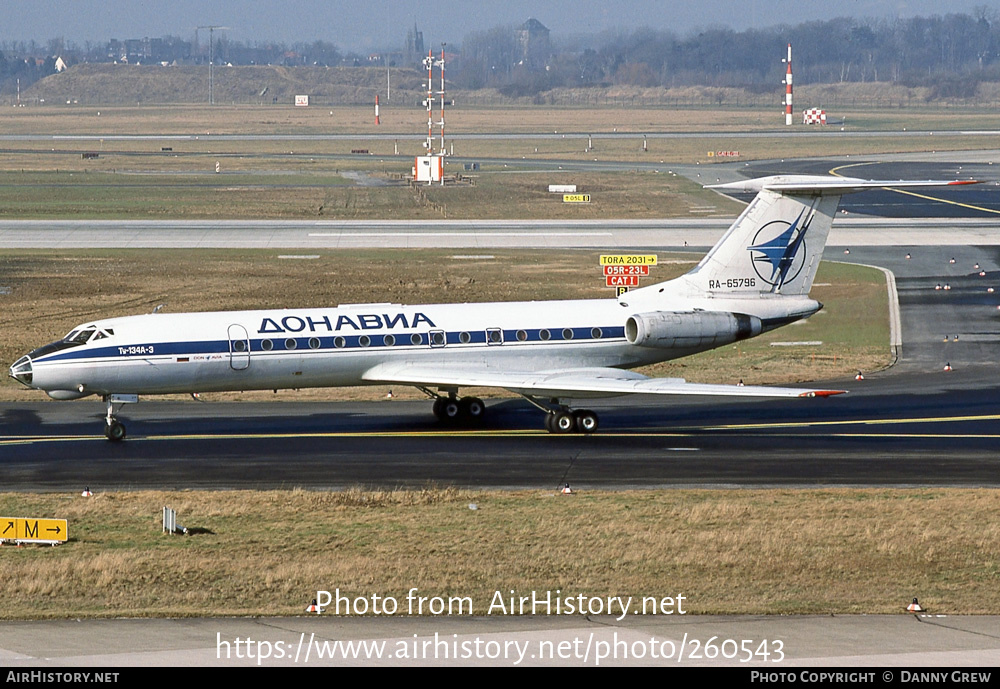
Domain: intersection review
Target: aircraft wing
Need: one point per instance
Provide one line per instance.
(571, 383)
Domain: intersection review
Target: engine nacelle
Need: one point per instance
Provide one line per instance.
(691, 329)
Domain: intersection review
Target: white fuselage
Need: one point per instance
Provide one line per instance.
(329, 347)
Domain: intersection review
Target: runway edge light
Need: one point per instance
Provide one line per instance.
(914, 607)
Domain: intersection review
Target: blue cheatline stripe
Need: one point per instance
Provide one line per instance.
(330, 342)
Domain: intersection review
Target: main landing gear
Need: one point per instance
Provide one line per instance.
(566, 420)
(470, 411)
(114, 430)
(561, 419)
(461, 411)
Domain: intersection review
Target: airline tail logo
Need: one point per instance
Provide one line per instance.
(778, 251)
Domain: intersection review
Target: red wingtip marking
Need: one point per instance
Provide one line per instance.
(823, 393)
(963, 181)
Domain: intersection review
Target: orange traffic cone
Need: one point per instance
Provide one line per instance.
(947, 367)
(914, 607)
(316, 609)
(566, 490)
(860, 376)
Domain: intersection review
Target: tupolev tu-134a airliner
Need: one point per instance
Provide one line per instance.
(756, 278)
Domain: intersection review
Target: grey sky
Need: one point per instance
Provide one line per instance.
(373, 24)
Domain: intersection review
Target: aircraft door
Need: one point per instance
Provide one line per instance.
(239, 347)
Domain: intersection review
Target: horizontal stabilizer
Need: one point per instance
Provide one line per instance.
(823, 184)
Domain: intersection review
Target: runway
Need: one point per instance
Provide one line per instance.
(683, 234)
(926, 429)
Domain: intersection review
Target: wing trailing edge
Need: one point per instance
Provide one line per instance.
(573, 383)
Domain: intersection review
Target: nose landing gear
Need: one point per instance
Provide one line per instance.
(114, 430)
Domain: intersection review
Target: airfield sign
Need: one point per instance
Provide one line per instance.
(623, 271)
(32, 530)
(628, 259)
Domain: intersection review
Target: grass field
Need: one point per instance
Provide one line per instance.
(174, 173)
(326, 195)
(830, 551)
(409, 118)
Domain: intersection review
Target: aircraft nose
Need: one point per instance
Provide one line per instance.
(21, 371)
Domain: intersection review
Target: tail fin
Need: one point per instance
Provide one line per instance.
(776, 244)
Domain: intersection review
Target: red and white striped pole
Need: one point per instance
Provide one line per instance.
(788, 88)
(376, 109)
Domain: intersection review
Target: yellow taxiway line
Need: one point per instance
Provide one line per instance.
(687, 431)
(835, 172)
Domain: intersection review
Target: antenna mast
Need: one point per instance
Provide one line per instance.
(211, 59)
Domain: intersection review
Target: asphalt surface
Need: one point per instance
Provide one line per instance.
(280, 236)
(894, 644)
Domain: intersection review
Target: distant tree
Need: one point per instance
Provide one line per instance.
(488, 58)
(319, 53)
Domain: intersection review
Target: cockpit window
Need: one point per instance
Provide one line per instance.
(80, 336)
(83, 335)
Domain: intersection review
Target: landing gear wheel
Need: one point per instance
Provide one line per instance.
(439, 407)
(471, 410)
(450, 410)
(586, 421)
(563, 422)
(115, 431)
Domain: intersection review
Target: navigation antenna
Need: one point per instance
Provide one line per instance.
(430, 63)
(211, 58)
